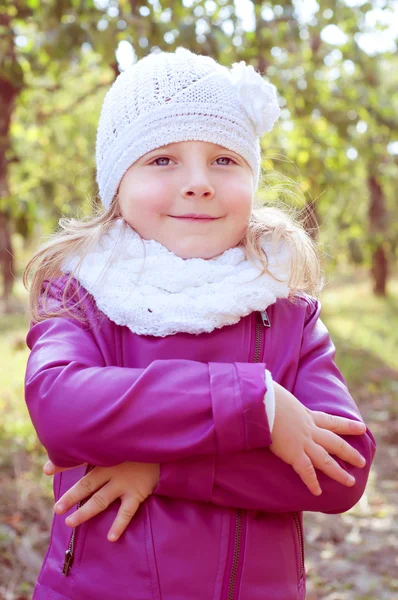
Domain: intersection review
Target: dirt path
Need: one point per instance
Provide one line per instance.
(354, 556)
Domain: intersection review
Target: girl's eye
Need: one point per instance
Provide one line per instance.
(163, 164)
(225, 158)
(160, 161)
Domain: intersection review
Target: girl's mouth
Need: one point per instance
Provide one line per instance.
(195, 217)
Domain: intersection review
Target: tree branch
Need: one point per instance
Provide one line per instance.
(42, 115)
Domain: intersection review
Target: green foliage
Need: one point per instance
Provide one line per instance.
(335, 98)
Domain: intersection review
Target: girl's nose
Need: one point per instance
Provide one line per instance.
(198, 190)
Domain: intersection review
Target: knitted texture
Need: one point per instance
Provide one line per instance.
(152, 291)
(180, 96)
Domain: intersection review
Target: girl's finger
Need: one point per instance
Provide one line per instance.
(126, 512)
(86, 486)
(305, 469)
(50, 469)
(97, 503)
(340, 425)
(338, 447)
(322, 460)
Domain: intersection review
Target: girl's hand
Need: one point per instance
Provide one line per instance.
(303, 438)
(131, 482)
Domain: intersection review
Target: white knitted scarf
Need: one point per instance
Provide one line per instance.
(142, 285)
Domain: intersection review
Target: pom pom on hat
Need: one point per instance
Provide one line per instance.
(169, 97)
(257, 96)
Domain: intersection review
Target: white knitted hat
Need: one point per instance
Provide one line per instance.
(179, 96)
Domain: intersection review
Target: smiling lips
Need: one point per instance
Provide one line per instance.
(195, 217)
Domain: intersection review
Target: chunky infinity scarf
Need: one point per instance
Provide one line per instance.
(142, 285)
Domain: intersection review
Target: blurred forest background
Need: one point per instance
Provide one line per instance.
(335, 66)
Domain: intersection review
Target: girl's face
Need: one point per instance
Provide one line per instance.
(195, 198)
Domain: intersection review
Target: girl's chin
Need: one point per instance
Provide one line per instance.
(195, 251)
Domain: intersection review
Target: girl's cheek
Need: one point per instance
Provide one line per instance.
(147, 202)
(240, 205)
(154, 194)
(158, 203)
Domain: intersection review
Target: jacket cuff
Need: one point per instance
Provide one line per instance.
(240, 420)
(191, 478)
(253, 389)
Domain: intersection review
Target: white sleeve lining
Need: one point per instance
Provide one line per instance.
(269, 399)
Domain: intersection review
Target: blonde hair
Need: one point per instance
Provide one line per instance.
(79, 236)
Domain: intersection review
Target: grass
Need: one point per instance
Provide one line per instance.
(16, 431)
(362, 321)
(364, 329)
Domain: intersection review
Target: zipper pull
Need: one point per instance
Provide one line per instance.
(265, 319)
(67, 562)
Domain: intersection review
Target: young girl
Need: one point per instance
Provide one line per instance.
(180, 377)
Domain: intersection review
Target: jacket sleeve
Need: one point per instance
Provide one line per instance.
(84, 411)
(259, 480)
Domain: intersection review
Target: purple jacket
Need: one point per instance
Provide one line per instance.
(225, 521)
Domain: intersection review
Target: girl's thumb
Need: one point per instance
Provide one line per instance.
(49, 468)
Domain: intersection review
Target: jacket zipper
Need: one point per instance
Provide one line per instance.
(235, 557)
(301, 545)
(262, 320)
(69, 553)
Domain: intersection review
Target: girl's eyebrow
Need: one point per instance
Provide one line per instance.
(158, 150)
(162, 150)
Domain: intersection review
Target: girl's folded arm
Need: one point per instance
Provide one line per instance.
(259, 480)
(84, 411)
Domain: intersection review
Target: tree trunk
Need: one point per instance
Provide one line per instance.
(6, 254)
(6, 260)
(379, 271)
(377, 228)
(8, 93)
(310, 221)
